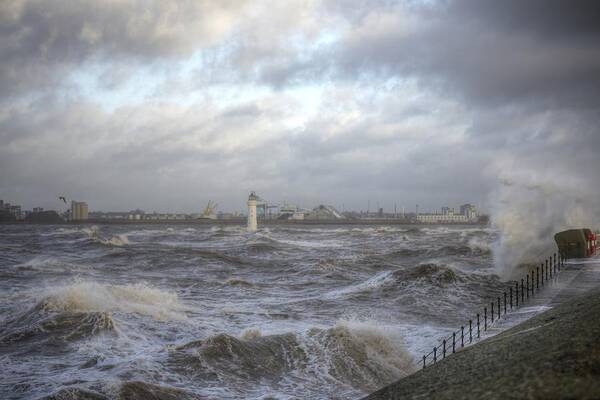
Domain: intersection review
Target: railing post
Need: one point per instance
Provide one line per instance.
(504, 303)
(470, 331)
(550, 267)
(542, 274)
(462, 336)
(492, 309)
(522, 294)
(537, 278)
(528, 285)
(517, 292)
(546, 269)
(453, 342)
(444, 349)
(478, 330)
(434, 355)
(511, 304)
(424, 365)
(499, 307)
(485, 318)
(554, 263)
(563, 258)
(559, 260)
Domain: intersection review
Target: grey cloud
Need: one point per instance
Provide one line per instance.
(42, 41)
(460, 49)
(515, 86)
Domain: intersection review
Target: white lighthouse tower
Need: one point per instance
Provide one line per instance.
(252, 224)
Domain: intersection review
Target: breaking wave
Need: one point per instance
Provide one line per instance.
(90, 296)
(354, 353)
(238, 282)
(127, 390)
(94, 236)
(43, 325)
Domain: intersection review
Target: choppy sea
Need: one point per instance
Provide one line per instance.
(291, 311)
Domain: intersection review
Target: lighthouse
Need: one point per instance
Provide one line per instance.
(252, 225)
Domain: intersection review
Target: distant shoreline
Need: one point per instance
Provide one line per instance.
(242, 221)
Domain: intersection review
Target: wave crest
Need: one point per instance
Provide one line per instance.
(364, 355)
(355, 353)
(41, 326)
(89, 296)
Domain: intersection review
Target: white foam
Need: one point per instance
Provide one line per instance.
(90, 296)
(374, 282)
(384, 345)
(476, 243)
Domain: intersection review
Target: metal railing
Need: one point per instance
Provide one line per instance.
(509, 301)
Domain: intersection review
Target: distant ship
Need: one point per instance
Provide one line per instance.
(209, 211)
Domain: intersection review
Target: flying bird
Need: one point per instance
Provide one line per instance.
(63, 199)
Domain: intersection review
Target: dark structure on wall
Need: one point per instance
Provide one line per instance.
(576, 243)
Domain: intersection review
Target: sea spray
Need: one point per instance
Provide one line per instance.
(90, 296)
(528, 209)
(93, 233)
(280, 304)
(361, 354)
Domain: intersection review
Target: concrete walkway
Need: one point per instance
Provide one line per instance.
(554, 355)
(575, 278)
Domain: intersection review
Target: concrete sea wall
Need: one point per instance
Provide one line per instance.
(554, 355)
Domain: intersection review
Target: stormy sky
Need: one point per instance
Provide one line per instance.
(164, 105)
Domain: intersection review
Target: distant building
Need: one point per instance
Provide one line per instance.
(38, 209)
(469, 211)
(324, 212)
(467, 214)
(79, 211)
(442, 218)
(16, 211)
(447, 210)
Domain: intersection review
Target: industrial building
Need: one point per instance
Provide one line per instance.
(324, 212)
(468, 214)
(12, 209)
(79, 211)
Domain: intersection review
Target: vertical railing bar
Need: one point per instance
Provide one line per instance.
(444, 349)
(470, 331)
(498, 308)
(551, 264)
(484, 319)
(522, 293)
(453, 342)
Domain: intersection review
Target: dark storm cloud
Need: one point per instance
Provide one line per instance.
(549, 19)
(416, 98)
(492, 52)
